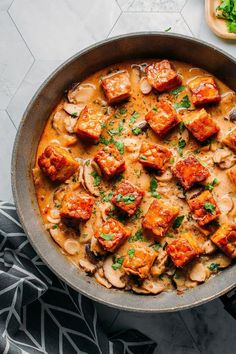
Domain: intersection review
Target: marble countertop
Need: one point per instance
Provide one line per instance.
(35, 37)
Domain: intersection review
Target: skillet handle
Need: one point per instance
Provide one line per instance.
(229, 301)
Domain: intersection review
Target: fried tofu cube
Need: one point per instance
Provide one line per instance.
(139, 261)
(162, 118)
(76, 207)
(204, 208)
(154, 156)
(232, 175)
(225, 238)
(159, 217)
(110, 161)
(162, 77)
(88, 124)
(112, 234)
(183, 250)
(230, 139)
(204, 90)
(57, 163)
(116, 86)
(200, 124)
(189, 171)
(127, 197)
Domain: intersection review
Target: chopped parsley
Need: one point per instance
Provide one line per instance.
(131, 252)
(154, 109)
(181, 145)
(55, 226)
(104, 197)
(210, 186)
(96, 178)
(227, 11)
(168, 29)
(153, 187)
(209, 207)
(172, 160)
(183, 104)
(137, 131)
(175, 92)
(214, 267)
(127, 199)
(104, 140)
(178, 221)
(118, 263)
(120, 146)
(107, 237)
(74, 115)
(134, 117)
(138, 236)
(122, 110)
(116, 131)
(157, 246)
(181, 127)
(142, 157)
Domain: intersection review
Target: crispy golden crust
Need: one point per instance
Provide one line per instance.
(189, 171)
(127, 197)
(88, 125)
(110, 161)
(57, 163)
(204, 90)
(225, 238)
(203, 212)
(76, 207)
(230, 139)
(159, 217)
(162, 118)
(117, 86)
(140, 261)
(154, 156)
(183, 249)
(112, 234)
(200, 124)
(162, 77)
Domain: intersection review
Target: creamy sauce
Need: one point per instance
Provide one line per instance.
(50, 194)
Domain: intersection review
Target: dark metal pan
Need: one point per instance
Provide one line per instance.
(140, 45)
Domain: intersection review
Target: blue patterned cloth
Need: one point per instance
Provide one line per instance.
(41, 314)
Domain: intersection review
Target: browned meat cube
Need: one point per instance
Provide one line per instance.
(204, 208)
(204, 90)
(117, 86)
(159, 217)
(230, 139)
(110, 161)
(88, 124)
(139, 261)
(154, 156)
(127, 197)
(112, 234)
(183, 249)
(162, 118)
(200, 124)
(57, 163)
(225, 238)
(189, 171)
(162, 77)
(232, 175)
(76, 207)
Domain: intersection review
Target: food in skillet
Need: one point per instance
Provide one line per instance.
(135, 176)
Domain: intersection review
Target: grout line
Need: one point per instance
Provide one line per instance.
(152, 12)
(114, 25)
(189, 332)
(119, 6)
(183, 6)
(187, 25)
(11, 119)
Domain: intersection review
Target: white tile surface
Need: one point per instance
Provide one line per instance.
(7, 136)
(5, 4)
(15, 59)
(57, 29)
(136, 22)
(152, 5)
(39, 71)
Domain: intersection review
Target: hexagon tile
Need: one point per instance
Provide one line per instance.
(151, 5)
(57, 29)
(15, 59)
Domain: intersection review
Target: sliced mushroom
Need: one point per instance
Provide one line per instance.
(96, 247)
(101, 280)
(149, 286)
(232, 115)
(159, 265)
(221, 259)
(71, 246)
(226, 204)
(54, 216)
(90, 255)
(209, 247)
(81, 94)
(224, 158)
(105, 208)
(63, 124)
(144, 85)
(88, 178)
(165, 177)
(87, 266)
(198, 272)
(115, 277)
(143, 125)
(73, 109)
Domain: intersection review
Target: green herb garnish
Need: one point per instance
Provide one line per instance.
(120, 146)
(227, 11)
(181, 145)
(122, 110)
(118, 263)
(178, 221)
(177, 90)
(209, 207)
(210, 186)
(134, 117)
(96, 178)
(153, 187)
(127, 199)
(168, 29)
(157, 246)
(55, 226)
(183, 104)
(137, 131)
(138, 236)
(74, 115)
(214, 267)
(107, 237)
(131, 252)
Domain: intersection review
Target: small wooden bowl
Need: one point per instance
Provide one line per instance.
(218, 26)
